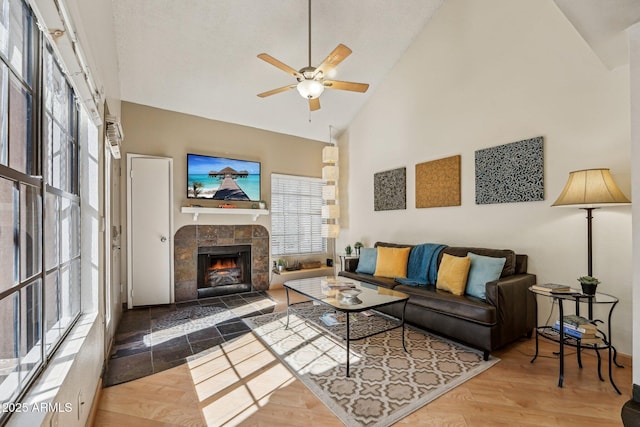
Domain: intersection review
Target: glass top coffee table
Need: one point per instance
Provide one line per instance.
(348, 296)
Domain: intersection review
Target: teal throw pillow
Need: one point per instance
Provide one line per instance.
(367, 261)
(483, 269)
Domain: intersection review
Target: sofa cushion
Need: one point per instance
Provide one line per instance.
(385, 282)
(459, 306)
(452, 274)
(367, 261)
(392, 262)
(483, 269)
(509, 268)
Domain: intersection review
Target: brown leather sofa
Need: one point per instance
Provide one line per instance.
(507, 314)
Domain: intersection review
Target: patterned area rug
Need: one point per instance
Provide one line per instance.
(385, 384)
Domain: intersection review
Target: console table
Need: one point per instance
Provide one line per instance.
(560, 337)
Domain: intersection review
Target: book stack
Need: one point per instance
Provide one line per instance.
(579, 327)
(551, 288)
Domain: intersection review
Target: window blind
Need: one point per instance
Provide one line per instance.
(296, 219)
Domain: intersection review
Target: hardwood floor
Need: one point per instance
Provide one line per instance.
(242, 383)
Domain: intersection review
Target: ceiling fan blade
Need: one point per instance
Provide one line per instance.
(330, 62)
(314, 104)
(274, 91)
(284, 67)
(354, 87)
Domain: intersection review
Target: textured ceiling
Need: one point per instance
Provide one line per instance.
(199, 56)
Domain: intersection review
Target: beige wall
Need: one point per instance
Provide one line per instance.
(157, 132)
(482, 74)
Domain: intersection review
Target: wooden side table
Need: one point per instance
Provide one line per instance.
(559, 336)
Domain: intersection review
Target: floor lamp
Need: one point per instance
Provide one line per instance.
(590, 189)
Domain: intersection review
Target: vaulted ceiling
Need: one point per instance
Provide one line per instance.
(200, 56)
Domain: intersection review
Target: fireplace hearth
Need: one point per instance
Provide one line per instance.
(189, 238)
(223, 270)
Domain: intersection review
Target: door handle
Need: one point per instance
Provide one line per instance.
(163, 239)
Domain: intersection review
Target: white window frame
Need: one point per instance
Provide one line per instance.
(296, 215)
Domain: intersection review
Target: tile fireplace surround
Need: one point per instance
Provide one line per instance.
(188, 238)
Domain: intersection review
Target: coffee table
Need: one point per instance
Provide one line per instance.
(327, 291)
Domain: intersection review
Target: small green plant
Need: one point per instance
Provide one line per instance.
(347, 250)
(588, 280)
(282, 262)
(358, 246)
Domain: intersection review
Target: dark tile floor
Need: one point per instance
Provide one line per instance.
(152, 339)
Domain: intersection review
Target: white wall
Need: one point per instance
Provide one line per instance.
(482, 74)
(634, 64)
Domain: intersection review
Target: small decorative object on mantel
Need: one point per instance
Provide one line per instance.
(227, 206)
(357, 247)
(262, 204)
(347, 250)
(588, 284)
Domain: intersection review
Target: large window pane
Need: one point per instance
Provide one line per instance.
(30, 231)
(8, 234)
(47, 142)
(52, 327)
(20, 149)
(4, 27)
(9, 348)
(30, 330)
(65, 229)
(51, 231)
(20, 40)
(4, 105)
(58, 158)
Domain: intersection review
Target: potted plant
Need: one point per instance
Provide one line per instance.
(357, 246)
(588, 284)
(347, 250)
(281, 264)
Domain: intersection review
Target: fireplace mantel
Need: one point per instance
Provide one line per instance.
(255, 213)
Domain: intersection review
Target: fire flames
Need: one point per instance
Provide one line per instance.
(223, 263)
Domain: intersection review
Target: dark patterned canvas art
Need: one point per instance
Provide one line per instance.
(510, 173)
(390, 190)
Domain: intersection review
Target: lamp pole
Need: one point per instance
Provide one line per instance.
(589, 241)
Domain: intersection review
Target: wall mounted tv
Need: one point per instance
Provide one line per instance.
(218, 178)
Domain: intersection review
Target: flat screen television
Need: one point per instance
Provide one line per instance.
(219, 178)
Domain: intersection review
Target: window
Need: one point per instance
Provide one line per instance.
(296, 221)
(38, 303)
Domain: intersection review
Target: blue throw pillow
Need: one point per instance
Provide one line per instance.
(367, 261)
(483, 269)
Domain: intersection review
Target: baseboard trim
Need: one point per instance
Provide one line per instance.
(94, 404)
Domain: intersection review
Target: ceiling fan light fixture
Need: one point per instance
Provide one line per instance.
(310, 89)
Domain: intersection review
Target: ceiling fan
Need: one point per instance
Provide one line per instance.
(312, 80)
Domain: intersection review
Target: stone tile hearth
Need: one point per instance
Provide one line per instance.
(188, 238)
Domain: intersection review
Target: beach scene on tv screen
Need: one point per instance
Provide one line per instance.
(218, 178)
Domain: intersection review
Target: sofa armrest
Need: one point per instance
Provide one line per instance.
(515, 305)
(351, 264)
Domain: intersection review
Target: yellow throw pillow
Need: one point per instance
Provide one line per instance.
(392, 262)
(452, 274)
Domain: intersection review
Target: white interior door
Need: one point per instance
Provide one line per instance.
(149, 229)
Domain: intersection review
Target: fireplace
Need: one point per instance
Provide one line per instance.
(223, 270)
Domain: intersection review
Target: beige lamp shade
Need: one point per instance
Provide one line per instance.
(331, 212)
(330, 231)
(590, 187)
(330, 154)
(329, 192)
(330, 173)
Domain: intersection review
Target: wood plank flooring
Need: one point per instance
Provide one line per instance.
(244, 384)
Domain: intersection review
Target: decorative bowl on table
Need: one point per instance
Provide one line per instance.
(350, 296)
